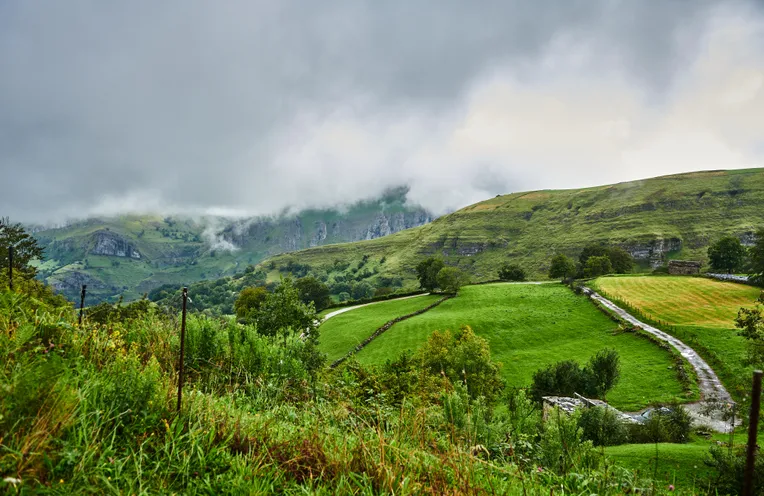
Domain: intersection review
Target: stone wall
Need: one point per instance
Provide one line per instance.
(683, 267)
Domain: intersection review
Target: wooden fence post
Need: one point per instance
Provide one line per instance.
(182, 348)
(753, 425)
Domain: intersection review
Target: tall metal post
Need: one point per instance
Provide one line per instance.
(10, 268)
(82, 300)
(753, 426)
(182, 348)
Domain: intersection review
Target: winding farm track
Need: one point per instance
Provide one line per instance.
(711, 388)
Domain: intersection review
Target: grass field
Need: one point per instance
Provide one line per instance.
(529, 327)
(698, 311)
(342, 332)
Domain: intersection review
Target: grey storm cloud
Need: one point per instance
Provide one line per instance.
(251, 107)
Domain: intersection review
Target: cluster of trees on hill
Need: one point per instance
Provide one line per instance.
(728, 255)
(433, 274)
(595, 260)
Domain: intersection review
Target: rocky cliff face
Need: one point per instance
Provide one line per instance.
(108, 243)
(654, 251)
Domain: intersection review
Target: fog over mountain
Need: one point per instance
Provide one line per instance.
(250, 107)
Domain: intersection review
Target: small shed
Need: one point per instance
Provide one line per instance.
(684, 267)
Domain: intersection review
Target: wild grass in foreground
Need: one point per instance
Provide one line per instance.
(92, 410)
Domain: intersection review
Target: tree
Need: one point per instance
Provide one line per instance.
(283, 312)
(25, 248)
(361, 290)
(726, 255)
(463, 358)
(427, 272)
(249, 300)
(604, 372)
(562, 267)
(450, 279)
(311, 289)
(750, 321)
(597, 266)
(620, 259)
(511, 272)
(592, 250)
(756, 254)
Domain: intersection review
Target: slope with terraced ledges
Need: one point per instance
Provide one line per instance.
(655, 219)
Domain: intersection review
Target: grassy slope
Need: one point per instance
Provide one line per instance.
(529, 228)
(342, 332)
(698, 311)
(531, 326)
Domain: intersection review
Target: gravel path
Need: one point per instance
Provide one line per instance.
(711, 388)
(347, 309)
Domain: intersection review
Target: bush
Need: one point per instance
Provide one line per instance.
(664, 425)
(567, 377)
(511, 272)
(602, 427)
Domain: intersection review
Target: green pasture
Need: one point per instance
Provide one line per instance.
(529, 327)
(341, 333)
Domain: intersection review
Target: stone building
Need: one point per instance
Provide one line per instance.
(683, 267)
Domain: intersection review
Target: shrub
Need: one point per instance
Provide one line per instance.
(567, 377)
(511, 272)
(602, 426)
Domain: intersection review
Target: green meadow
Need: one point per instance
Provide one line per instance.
(341, 333)
(528, 327)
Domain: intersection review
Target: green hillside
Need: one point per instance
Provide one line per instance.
(131, 255)
(527, 326)
(670, 217)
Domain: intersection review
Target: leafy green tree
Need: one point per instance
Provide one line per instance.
(750, 321)
(592, 250)
(620, 259)
(311, 289)
(283, 312)
(511, 272)
(427, 272)
(249, 300)
(562, 267)
(361, 290)
(450, 279)
(464, 358)
(25, 249)
(726, 255)
(604, 372)
(756, 254)
(598, 266)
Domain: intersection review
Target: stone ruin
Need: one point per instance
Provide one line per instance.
(683, 267)
(571, 404)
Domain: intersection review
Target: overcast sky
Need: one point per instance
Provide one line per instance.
(248, 107)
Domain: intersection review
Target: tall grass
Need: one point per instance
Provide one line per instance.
(91, 411)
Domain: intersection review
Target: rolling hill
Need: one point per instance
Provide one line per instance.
(131, 255)
(669, 217)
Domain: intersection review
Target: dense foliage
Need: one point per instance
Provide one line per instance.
(726, 255)
(511, 272)
(25, 249)
(427, 272)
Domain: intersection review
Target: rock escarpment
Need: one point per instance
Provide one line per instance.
(108, 243)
